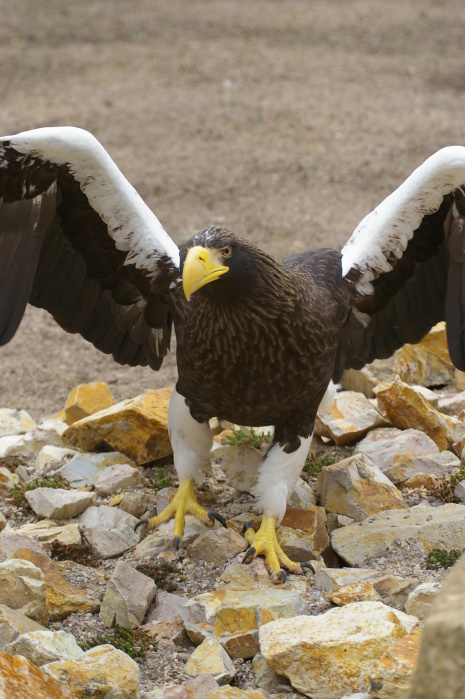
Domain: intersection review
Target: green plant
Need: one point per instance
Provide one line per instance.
(79, 553)
(161, 573)
(254, 439)
(161, 481)
(133, 642)
(439, 558)
(12, 462)
(19, 490)
(315, 461)
(444, 486)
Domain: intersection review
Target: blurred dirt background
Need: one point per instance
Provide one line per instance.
(286, 120)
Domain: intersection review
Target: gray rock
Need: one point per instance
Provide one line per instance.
(383, 444)
(86, 469)
(167, 608)
(13, 623)
(217, 546)
(128, 597)
(57, 503)
(421, 598)
(11, 541)
(109, 531)
(22, 587)
(118, 476)
(135, 503)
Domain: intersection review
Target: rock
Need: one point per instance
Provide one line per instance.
(118, 476)
(86, 399)
(349, 418)
(128, 597)
(50, 458)
(42, 647)
(439, 671)
(86, 469)
(47, 531)
(303, 496)
(425, 528)
(346, 585)
(217, 546)
(414, 470)
(14, 422)
(109, 531)
(14, 624)
(406, 408)
(57, 503)
(162, 538)
(235, 693)
(210, 657)
(252, 576)
(21, 679)
(167, 607)
(2, 522)
(355, 487)
(197, 688)
(265, 676)
(243, 644)
(392, 677)
(135, 503)
(335, 652)
(30, 443)
(225, 611)
(303, 534)
(22, 588)
(62, 596)
(452, 405)
(102, 671)
(421, 598)
(173, 631)
(137, 427)
(240, 464)
(383, 445)
(427, 362)
(7, 480)
(10, 542)
(360, 381)
(459, 491)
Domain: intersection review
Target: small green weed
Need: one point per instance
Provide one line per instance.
(161, 573)
(18, 491)
(445, 485)
(438, 558)
(133, 642)
(254, 439)
(315, 462)
(79, 553)
(12, 462)
(160, 481)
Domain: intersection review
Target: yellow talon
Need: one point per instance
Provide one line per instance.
(184, 503)
(264, 542)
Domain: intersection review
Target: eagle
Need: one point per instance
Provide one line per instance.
(258, 342)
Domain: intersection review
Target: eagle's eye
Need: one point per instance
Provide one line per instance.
(226, 252)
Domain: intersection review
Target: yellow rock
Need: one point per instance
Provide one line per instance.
(137, 427)
(406, 408)
(7, 480)
(428, 362)
(47, 531)
(64, 598)
(211, 658)
(86, 399)
(21, 679)
(234, 693)
(348, 419)
(393, 675)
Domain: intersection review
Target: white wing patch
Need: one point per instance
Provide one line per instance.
(132, 225)
(383, 235)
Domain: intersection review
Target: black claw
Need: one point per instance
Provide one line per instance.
(140, 523)
(283, 575)
(247, 525)
(177, 542)
(306, 564)
(214, 515)
(250, 552)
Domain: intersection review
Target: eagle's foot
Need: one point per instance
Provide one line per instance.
(184, 503)
(264, 542)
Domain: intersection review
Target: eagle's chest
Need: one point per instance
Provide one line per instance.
(251, 367)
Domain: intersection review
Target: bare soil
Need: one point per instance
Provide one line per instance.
(286, 120)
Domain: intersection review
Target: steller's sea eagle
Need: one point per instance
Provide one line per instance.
(258, 342)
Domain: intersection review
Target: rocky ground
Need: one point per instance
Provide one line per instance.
(378, 511)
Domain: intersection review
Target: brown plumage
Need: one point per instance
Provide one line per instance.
(258, 341)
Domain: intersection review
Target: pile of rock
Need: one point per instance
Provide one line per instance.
(228, 632)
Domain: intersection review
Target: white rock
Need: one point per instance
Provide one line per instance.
(324, 656)
(161, 539)
(42, 647)
(421, 598)
(118, 476)
(128, 597)
(22, 587)
(47, 531)
(109, 531)
(15, 422)
(50, 455)
(86, 469)
(57, 503)
(383, 444)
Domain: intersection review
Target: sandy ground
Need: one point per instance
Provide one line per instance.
(287, 120)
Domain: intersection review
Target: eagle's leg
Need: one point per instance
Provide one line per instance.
(191, 442)
(276, 481)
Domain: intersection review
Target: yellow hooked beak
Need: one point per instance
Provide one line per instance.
(202, 266)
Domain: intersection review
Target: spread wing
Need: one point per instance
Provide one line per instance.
(405, 264)
(77, 240)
